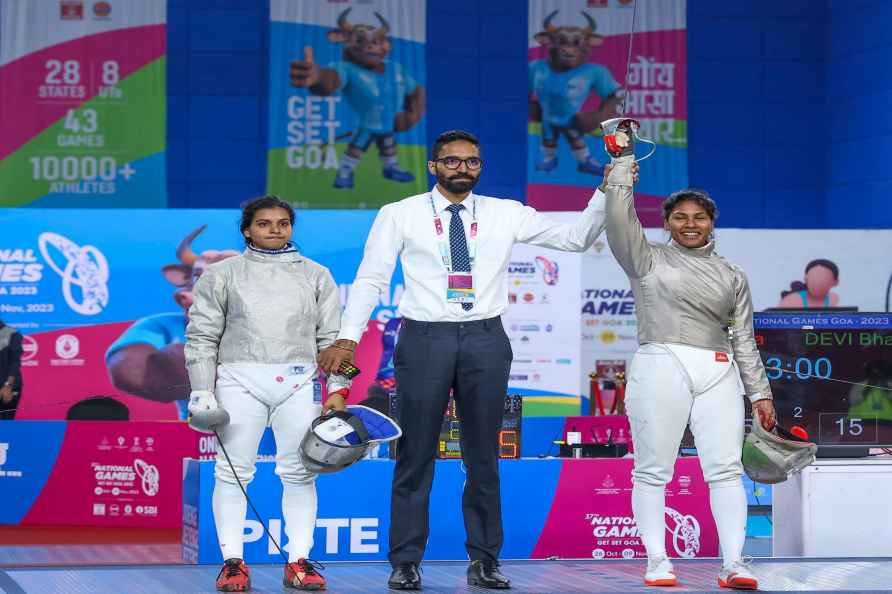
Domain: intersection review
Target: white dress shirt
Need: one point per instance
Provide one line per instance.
(405, 230)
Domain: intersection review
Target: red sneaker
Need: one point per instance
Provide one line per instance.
(234, 577)
(303, 574)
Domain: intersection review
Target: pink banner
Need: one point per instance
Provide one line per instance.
(119, 474)
(591, 514)
(64, 367)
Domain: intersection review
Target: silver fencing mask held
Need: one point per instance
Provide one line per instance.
(771, 456)
(333, 442)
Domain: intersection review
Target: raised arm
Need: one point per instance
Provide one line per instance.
(207, 321)
(535, 228)
(624, 232)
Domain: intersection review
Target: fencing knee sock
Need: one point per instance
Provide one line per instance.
(649, 507)
(728, 502)
(230, 508)
(299, 511)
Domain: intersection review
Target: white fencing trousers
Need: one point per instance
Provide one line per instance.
(669, 387)
(290, 417)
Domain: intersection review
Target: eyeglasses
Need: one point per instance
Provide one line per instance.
(472, 163)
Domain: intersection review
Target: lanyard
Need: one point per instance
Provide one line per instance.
(445, 253)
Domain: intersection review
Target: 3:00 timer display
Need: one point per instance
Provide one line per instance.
(801, 368)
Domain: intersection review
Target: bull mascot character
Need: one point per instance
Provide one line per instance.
(147, 360)
(383, 94)
(560, 85)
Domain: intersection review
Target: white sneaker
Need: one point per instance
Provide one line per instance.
(738, 576)
(660, 572)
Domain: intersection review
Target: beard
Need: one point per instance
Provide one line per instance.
(459, 183)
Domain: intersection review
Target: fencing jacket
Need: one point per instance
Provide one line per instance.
(685, 296)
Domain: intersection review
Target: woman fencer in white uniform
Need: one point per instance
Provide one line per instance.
(257, 323)
(695, 329)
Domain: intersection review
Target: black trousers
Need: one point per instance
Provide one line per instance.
(473, 359)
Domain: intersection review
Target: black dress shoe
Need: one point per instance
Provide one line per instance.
(405, 576)
(485, 574)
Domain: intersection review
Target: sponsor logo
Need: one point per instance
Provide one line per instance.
(684, 481)
(29, 348)
(563, 361)
(71, 10)
(4, 448)
(512, 297)
(596, 3)
(85, 268)
(608, 337)
(98, 509)
(102, 10)
(721, 357)
(67, 349)
(518, 377)
(528, 297)
(523, 361)
(549, 327)
(684, 531)
(149, 475)
(67, 346)
(549, 270)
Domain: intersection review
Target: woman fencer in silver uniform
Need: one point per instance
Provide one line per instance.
(696, 360)
(257, 323)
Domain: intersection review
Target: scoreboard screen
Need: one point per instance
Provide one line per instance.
(449, 443)
(831, 374)
(509, 436)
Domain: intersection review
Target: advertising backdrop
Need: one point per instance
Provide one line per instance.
(84, 103)
(578, 51)
(347, 101)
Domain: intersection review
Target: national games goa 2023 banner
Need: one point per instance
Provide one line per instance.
(83, 118)
(578, 50)
(347, 102)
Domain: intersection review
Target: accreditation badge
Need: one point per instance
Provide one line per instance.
(460, 288)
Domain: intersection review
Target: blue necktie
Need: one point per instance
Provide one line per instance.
(458, 245)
